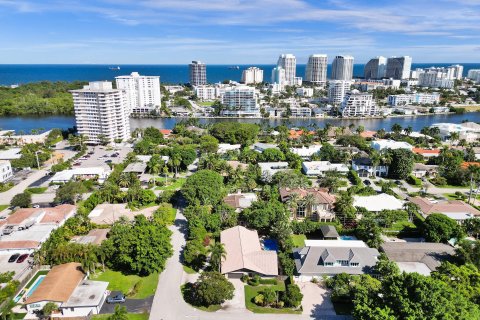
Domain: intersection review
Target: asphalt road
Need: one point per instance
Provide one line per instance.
(133, 305)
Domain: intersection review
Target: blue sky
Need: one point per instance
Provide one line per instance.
(235, 31)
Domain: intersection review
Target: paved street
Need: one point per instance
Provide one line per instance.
(132, 305)
(168, 303)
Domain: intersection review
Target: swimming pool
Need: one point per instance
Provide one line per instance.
(270, 245)
(35, 286)
(27, 292)
(348, 238)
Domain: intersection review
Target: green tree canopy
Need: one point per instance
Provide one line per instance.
(204, 187)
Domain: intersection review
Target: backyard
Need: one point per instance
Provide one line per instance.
(133, 286)
(176, 184)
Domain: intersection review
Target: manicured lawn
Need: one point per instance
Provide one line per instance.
(251, 292)
(189, 270)
(298, 240)
(3, 207)
(38, 274)
(205, 103)
(173, 186)
(133, 286)
(38, 190)
(130, 316)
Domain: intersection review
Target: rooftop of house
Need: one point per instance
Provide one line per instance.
(428, 206)
(378, 202)
(59, 283)
(87, 294)
(368, 134)
(245, 253)
(50, 215)
(329, 231)
(324, 166)
(136, 167)
(240, 200)
(321, 195)
(95, 236)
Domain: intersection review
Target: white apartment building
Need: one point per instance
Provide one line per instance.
(305, 92)
(299, 112)
(289, 63)
(337, 89)
(376, 68)
(100, 111)
(278, 76)
(6, 172)
(419, 98)
(470, 131)
(398, 67)
(474, 74)
(240, 101)
(198, 73)
(437, 77)
(357, 104)
(142, 92)
(316, 69)
(342, 68)
(252, 75)
(206, 93)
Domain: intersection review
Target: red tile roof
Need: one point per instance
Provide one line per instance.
(165, 132)
(451, 206)
(465, 165)
(368, 134)
(426, 151)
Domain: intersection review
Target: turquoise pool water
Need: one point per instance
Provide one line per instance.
(348, 238)
(31, 290)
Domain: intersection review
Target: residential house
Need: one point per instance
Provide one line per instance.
(368, 134)
(365, 168)
(455, 209)
(94, 236)
(329, 232)
(269, 169)
(66, 286)
(312, 203)
(11, 154)
(6, 172)
(240, 201)
(225, 147)
(378, 202)
(380, 145)
(420, 257)
(427, 153)
(244, 254)
(319, 168)
(260, 146)
(306, 152)
(331, 257)
(99, 174)
(421, 170)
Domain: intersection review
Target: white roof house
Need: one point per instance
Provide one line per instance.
(10, 154)
(225, 147)
(306, 152)
(315, 168)
(378, 202)
(469, 131)
(270, 168)
(380, 145)
(81, 173)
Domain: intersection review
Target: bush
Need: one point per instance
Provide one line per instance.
(272, 281)
(354, 178)
(245, 278)
(439, 181)
(414, 181)
(255, 281)
(293, 296)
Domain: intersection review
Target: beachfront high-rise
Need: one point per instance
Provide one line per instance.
(143, 92)
(198, 73)
(289, 63)
(316, 70)
(375, 68)
(278, 76)
(252, 75)
(337, 89)
(399, 67)
(342, 68)
(101, 112)
(359, 104)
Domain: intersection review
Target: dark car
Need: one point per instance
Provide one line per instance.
(119, 298)
(14, 257)
(398, 182)
(114, 155)
(22, 258)
(367, 182)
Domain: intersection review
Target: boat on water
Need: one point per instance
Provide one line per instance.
(234, 67)
(114, 68)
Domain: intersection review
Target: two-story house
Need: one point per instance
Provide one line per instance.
(312, 203)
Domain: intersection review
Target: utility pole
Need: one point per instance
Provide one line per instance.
(36, 156)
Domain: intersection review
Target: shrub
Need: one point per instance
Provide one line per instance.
(414, 181)
(245, 278)
(255, 281)
(272, 281)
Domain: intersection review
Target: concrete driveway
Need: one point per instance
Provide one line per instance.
(316, 301)
(238, 301)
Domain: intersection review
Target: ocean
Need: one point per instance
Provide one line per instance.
(170, 74)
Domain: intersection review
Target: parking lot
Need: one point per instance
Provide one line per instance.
(99, 156)
(6, 266)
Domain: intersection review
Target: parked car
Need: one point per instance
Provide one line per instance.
(14, 257)
(367, 182)
(36, 206)
(91, 152)
(22, 258)
(398, 182)
(119, 298)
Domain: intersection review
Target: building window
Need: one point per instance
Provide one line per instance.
(301, 211)
(343, 263)
(354, 264)
(328, 264)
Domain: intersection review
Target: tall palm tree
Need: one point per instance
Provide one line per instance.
(176, 160)
(165, 172)
(309, 201)
(292, 202)
(408, 130)
(217, 254)
(120, 313)
(124, 182)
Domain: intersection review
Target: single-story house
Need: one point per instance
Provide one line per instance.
(427, 153)
(225, 147)
(67, 287)
(94, 236)
(380, 145)
(365, 168)
(237, 164)
(329, 232)
(331, 257)
(6, 172)
(421, 170)
(306, 152)
(320, 210)
(240, 201)
(455, 209)
(368, 134)
(146, 158)
(99, 174)
(319, 168)
(268, 169)
(420, 257)
(136, 167)
(378, 202)
(244, 254)
(9, 137)
(260, 146)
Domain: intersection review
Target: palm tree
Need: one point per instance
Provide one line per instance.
(397, 128)
(165, 172)
(176, 161)
(408, 130)
(217, 254)
(120, 313)
(7, 310)
(292, 202)
(309, 201)
(124, 182)
(155, 166)
(454, 136)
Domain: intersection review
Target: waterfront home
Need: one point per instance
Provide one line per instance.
(9, 137)
(455, 209)
(306, 152)
(426, 153)
(420, 257)
(380, 145)
(99, 174)
(365, 168)
(311, 203)
(67, 286)
(319, 168)
(225, 147)
(378, 202)
(11, 154)
(320, 258)
(244, 254)
(260, 146)
(6, 172)
(470, 131)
